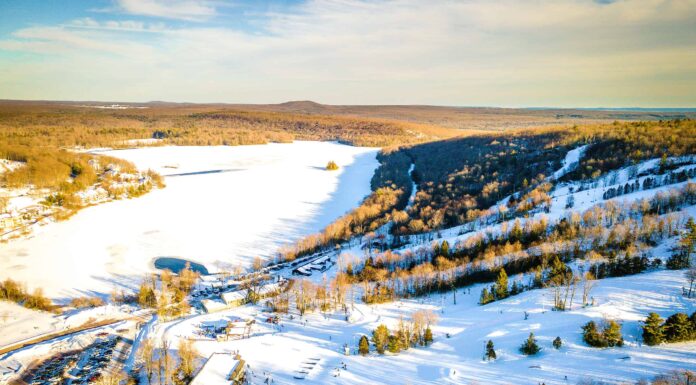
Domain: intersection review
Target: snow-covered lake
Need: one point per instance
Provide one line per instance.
(221, 207)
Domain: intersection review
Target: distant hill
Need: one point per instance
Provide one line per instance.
(477, 118)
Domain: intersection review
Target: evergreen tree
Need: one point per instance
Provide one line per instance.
(490, 351)
(444, 249)
(591, 335)
(681, 258)
(538, 277)
(380, 337)
(530, 347)
(394, 345)
(486, 297)
(557, 342)
(428, 336)
(147, 296)
(612, 334)
(363, 346)
(678, 328)
(516, 288)
(653, 333)
(516, 231)
(501, 285)
(558, 270)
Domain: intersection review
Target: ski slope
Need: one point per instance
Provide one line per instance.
(458, 360)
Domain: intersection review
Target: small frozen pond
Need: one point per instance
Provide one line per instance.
(175, 265)
(221, 207)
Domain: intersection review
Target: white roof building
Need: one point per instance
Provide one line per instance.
(233, 297)
(220, 369)
(212, 306)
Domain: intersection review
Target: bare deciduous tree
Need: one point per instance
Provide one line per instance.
(690, 275)
(146, 356)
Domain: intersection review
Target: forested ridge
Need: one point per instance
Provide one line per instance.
(459, 179)
(72, 125)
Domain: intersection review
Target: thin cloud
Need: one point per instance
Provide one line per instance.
(191, 10)
(116, 25)
(505, 52)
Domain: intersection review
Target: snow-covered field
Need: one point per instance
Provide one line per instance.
(458, 359)
(221, 207)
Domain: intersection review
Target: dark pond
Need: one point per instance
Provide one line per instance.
(178, 264)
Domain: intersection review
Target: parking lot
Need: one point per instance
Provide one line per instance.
(76, 367)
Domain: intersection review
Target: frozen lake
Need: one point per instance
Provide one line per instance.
(221, 207)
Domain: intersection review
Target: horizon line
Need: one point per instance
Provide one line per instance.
(532, 107)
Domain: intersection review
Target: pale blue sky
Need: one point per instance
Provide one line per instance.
(574, 53)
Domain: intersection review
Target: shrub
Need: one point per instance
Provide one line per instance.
(38, 301)
(591, 335)
(490, 351)
(86, 302)
(331, 166)
(609, 336)
(557, 342)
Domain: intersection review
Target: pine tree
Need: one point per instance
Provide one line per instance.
(428, 336)
(677, 328)
(444, 249)
(486, 297)
(516, 288)
(530, 347)
(394, 345)
(516, 232)
(538, 277)
(363, 346)
(380, 337)
(653, 333)
(490, 351)
(612, 334)
(557, 342)
(558, 270)
(591, 336)
(501, 285)
(681, 258)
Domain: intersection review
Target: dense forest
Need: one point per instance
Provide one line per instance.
(459, 179)
(71, 125)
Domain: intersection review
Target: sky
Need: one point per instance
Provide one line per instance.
(507, 53)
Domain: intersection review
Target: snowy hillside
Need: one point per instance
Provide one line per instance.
(458, 359)
(329, 305)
